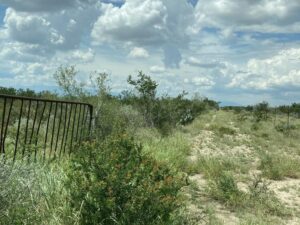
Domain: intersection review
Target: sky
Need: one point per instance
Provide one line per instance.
(237, 52)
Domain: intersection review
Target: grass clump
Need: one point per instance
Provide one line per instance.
(121, 185)
(33, 194)
(226, 131)
(278, 166)
(172, 150)
(224, 188)
(257, 199)
(211, 166)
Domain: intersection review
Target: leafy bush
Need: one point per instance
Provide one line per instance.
(113, 183)
(165, 112)
(261, 111)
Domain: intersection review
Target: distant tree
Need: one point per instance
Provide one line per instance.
(261, 111)
(65, 77)
(145, 86)
(146, 89)
(296, 109)
(8, 91)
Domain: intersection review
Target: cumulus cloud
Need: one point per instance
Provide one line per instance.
(157, 69)
(276, 72)
(147, 23)
(15, 51)
(249, 15)
(61, 30)
(235, 45)
(137, 52)
(136, 21)
(203, 81)
(82, 56)
(31, 29)
(42, 5)
(203, 64)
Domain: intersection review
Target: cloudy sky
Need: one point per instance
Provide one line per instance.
(234, 51)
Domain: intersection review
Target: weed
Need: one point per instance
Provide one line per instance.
(277, 166)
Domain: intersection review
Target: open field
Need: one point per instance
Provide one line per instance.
(237, 172)
(160, 160)
(240, 172)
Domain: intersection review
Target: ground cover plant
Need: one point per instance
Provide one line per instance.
(157, 159)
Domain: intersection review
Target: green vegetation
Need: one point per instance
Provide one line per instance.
(160, 160)
(120, 185)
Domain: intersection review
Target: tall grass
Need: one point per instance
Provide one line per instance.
(33, 194)
(173, 150)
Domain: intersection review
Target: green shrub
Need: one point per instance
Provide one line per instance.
(261, 111)
(113, 183)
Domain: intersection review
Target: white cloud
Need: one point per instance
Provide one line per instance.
(14, 51)
(157, 69)
(279, 71)
(203, 81)
(224, 41)
(251, 15)
(136, 21)
(204, 64)
(56, 30)
(31, 29)
(82, 56)
(160, 23)
(42, 5)
(137, 52)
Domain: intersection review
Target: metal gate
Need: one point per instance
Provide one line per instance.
(37, 129)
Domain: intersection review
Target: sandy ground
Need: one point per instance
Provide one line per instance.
(287, 191)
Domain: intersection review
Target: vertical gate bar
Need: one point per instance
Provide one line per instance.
(47, 129)
(38, 130)
(91, 119)
(34, 120)
(26, 129)
(18, 130)
(53, 129)
(2, 126)
(82, 123)
(7, 122)
(69, 119)
(58, 130)
(78, 123)
(73, 127)
(85, 122)
(64, 130)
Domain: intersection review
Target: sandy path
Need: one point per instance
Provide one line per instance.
(287, 191)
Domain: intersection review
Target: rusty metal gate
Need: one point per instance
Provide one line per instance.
(38, 129)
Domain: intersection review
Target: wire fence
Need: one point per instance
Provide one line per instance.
(39, 129)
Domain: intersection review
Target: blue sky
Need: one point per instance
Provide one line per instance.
(237, 51)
